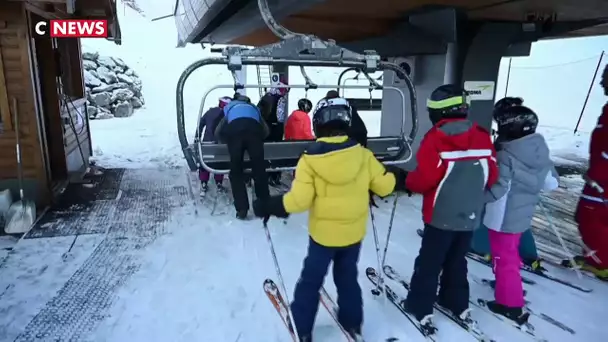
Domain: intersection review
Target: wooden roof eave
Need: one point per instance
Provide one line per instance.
(63, 9)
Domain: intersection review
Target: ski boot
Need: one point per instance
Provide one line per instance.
(535, 265)
(220, 188)
(204, 189)
(426, 322)
(581, 262)
(517, 315)
(241, 214)
(355, 333)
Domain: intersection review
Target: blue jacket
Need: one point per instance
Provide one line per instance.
(236, 110)
(239, 109)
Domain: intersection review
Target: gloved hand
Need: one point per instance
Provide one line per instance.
(272, 206)
(372, 202)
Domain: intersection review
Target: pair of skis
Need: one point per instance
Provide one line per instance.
(527, 268)
(543, 316)
(426, 328)
(282, 307)
(468, 324)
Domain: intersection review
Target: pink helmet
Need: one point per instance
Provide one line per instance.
(224, 100)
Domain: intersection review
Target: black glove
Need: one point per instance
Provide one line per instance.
(372, 202)
(272, 206)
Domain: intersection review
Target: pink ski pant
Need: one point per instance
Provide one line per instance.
(505, 254)
(204, 175)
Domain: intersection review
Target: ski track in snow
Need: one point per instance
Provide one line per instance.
(202, 279)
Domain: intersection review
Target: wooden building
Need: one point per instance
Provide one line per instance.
(41, 81)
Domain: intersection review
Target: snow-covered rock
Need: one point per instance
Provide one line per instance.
(123, 109)
(113, 89)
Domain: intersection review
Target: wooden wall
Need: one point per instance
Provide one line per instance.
(14, 51)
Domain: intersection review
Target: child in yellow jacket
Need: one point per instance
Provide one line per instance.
(333, 180)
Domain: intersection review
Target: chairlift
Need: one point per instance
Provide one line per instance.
(301, 50)
(372, 104)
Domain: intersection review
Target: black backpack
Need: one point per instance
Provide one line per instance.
(268, 107)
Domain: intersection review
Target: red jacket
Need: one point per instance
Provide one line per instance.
(456, 164)
(298, 126)
(598, 157)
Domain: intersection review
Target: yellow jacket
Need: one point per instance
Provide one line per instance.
(332, 180)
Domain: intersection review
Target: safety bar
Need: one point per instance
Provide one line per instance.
(284, 155)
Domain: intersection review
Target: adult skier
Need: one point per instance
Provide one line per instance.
(592, 209)
(272, 106)
(525, 169)
(298, 125)
(455, 156)
(332, 181)
(527, 246)
(243, 129)
(209, 122)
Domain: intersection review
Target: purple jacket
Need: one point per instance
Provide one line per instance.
(210, 119)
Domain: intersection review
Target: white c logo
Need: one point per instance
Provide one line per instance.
(38, 29)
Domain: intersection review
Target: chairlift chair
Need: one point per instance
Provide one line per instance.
(301, 50)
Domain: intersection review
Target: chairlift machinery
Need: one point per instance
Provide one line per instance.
(294, 49)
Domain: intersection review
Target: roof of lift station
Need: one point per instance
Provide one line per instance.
(239, 21)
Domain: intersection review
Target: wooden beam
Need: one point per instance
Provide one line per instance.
(47, 1)
(5, 108)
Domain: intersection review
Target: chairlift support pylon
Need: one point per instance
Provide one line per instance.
(294, 49)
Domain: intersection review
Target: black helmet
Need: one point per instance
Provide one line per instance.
(515, 122)
(331, 116)
(241, 97)
(447, 101)
(506, 102)
(304, 105)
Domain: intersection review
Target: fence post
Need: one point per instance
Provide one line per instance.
(580, 117)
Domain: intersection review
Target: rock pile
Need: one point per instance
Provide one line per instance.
(112, 88)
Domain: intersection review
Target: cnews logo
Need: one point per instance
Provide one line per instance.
(72, 28)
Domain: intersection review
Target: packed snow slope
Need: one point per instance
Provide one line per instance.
(160, 267)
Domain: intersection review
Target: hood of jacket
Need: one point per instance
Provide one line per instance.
(531, 160)
(459, 134)
(337, 160)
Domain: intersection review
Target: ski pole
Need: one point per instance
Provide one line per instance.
(390, 228)
(280, 276)
(561, 241)
(380, 283)
(588, 251)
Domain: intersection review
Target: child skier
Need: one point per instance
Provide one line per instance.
(592, 210)
(525, 169)
(527, 246)
(357, 131)
(332, 180)
(209, 122)
(243, 129)
(298, 125)
(455, 157)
